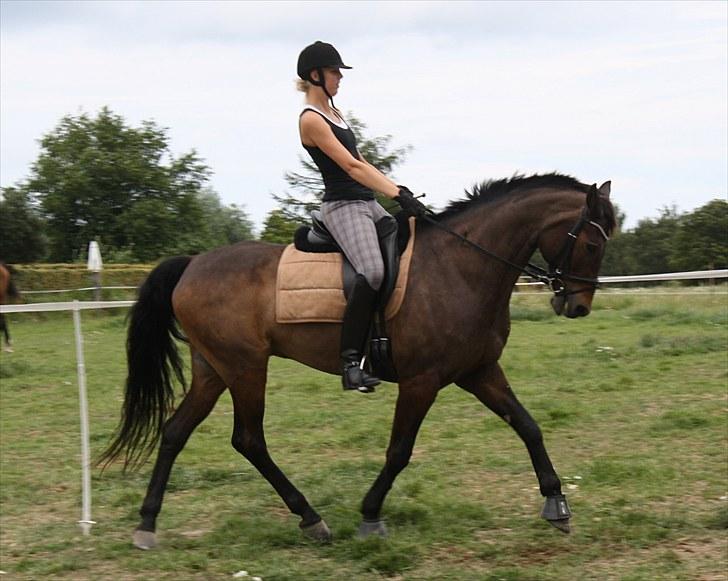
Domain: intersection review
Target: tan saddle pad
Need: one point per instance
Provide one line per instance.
(310, 288)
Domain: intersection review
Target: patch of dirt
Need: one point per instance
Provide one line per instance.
(195, 534)
(705, 559)
(707, 550)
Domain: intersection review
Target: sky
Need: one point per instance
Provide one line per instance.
(632, 92)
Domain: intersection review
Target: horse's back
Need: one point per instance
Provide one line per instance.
(229, 293)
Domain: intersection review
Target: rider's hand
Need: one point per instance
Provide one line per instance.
(410, 204)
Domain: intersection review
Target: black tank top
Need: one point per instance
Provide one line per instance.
(338, 185)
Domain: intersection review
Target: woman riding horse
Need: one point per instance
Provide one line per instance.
(452, 328)
(349, 209)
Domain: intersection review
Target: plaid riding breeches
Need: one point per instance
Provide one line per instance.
(351, 223)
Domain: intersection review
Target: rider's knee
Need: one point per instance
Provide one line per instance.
(374, 276)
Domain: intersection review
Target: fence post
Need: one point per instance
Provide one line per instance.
(95, 264)
(85, 521)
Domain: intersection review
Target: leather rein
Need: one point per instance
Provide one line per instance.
(558, 270)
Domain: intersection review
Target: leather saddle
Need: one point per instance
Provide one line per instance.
(393, 233)
(393, 238)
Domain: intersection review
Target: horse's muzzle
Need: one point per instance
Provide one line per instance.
(571, 307)
(557, 303)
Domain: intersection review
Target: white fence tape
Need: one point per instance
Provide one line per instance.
(73, 290)
(690, 275)
(665, 276)
(662, 277)
(72, 306)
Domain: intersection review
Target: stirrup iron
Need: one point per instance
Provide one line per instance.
(354, 377)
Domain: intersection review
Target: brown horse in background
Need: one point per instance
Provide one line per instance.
(7, 290)
(452, 328)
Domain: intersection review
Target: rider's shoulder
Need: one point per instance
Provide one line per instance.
(312, 119)
(312, 114)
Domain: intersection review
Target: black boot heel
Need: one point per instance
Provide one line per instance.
(354, 333)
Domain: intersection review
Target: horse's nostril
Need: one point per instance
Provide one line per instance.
(582, 311)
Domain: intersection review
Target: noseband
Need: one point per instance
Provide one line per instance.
(558, 271)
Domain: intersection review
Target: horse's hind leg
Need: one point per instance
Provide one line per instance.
(415, 398)
(6, 333)
(490, 386)
(248, 393)
(204, 392)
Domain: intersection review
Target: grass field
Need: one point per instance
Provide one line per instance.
(631, 400)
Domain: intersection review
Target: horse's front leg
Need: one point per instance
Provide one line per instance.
(248, 393)
(414, 401)
(490, 386)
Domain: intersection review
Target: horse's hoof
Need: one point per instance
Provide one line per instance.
(556, 511)
(8, 349)
(563, 525)
(144, 540)
(318, 532)
(369, 528)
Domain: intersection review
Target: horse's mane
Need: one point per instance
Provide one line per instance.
(490, 190)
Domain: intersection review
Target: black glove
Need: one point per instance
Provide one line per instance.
(411, 205)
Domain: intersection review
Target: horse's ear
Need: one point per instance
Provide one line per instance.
(605, 189)
(592, 200)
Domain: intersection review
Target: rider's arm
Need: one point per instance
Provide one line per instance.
(376, 169)
(315, 131)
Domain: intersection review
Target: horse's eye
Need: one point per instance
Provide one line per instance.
(591, 247)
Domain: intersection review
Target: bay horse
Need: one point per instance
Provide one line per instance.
(7, 290)
(451, 328)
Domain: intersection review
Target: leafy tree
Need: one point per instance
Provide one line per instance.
(673, 242)
(616, 256)
(225, 224)
(218, 225)
(646, 249)
(701, 239)
(278, 228)
(21, 227)
(98, 178)
(308, 187)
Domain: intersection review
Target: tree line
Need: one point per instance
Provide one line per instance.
(97, 178)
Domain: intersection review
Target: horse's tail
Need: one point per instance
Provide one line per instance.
(152, 359)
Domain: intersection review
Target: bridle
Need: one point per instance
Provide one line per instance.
(559, 268)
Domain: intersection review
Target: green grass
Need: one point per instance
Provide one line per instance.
(631, 401)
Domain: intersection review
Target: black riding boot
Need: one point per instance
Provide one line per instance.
(357, 319)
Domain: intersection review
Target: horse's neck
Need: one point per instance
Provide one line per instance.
(512, 224)
(508, 228)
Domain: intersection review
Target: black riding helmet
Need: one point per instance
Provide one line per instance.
(315, 57)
